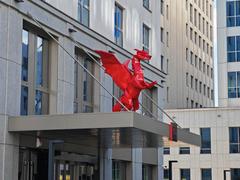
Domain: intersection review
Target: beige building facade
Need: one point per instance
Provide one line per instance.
(189, 53)
(219, 129)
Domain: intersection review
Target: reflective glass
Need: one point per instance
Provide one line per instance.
(185, 174)
(24, 100)
(231, 43)
(118, 26)
(205, 140)
(235, 174)
(232, 92)
(146, 3)
(39, 62)
(206, 174)
(231, 56)
(38, 102)
(25, 45)
(231, 21)
(231, 79)
(233, 135)
(230, 8)
(237, 8)
(238, 21)
(85, 17)
(83, 12)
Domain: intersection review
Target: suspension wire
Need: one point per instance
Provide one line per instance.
(79, 63)
(155, 103)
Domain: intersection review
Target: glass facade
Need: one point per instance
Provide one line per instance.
(206, 174)
(233, 13)
(185, 174)
(83, 12)
(233, 84)
(118, 25)
(234, 139)
(205, 140)
(233, 48)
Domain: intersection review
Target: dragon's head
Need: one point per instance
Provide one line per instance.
(142, 55)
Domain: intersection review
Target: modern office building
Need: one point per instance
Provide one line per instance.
(228, 34)
(219, 153)
(189, 53)
(55, 120)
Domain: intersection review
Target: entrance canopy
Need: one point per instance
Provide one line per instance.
(119, 129)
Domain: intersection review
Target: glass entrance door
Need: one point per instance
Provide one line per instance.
(69, 170)
(27, 165)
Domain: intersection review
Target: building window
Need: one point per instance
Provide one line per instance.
(205, 140)
(192, 104)
(186, 54)
(118, 170)
(199, 21)
(234, 139)
(187, 102)
(200, 87)
(186, 5)
(167, 94)
(191, 82)
(186, 29)
(204, 67)
(167, 12)
(212, 73)
(83, 12)
(233, 84)
(166, 150)
(162, 63)
(196, 84)
(167, 68)
(191, 57)
(83, 85)
(184, 150)
(200, 64)
(206, 174)
(191, 12)
(212, 94)
(196, 60)
(185, 174)
(208, 92)
(148, 108)
(233, 13)
(146, 4)
(191, 33)
(146, 172)
(162, 7)
(204, 89)
(118, 25)
(195, 17)
(208, 70)
(187, 79)
(162, 35)
(167, 39)
(146, 38)
(35, 74)
(166, 174)
(235, 174)
(233, 48)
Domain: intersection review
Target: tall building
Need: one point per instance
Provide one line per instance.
(228, 57)
(190, 54)
(55, 118)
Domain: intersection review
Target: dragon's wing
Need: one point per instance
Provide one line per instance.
(120, 74)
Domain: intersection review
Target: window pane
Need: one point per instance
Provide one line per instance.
(231, 43)
(118, 26)
(230, 21)
(166, 150)
(24, 100)
(231, 79)
(39, 62)
(237, 21)
(83, 12)
(185, 174)
(38, 103)
(233, 135)
(146, 3)
(25, 55)
(85, 17)
(206, 174)
(235, 174)
(205, 140)
(184, 150)
(237, 8)
(230, 8)
(231, 57)
(232, 92)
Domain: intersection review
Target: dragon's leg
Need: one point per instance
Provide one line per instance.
(135, 104)
(127, 102)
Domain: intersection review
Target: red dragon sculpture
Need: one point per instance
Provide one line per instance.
(130, 82)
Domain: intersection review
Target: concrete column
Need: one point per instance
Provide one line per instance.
(106, 164)
(136, 164)
(10, 88)
(160, 164)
